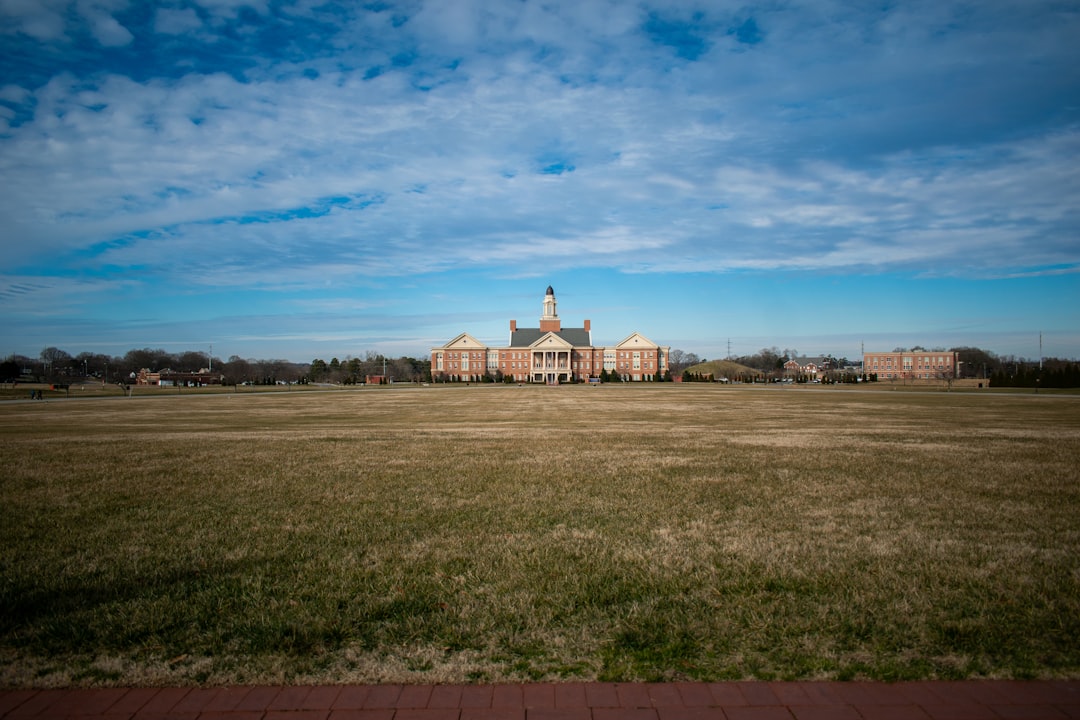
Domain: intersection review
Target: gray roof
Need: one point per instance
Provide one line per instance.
(524, 337)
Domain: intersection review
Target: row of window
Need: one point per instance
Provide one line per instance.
(909, 366)
(909, 360)
(636, 355)
(525, 377)
(581, 361)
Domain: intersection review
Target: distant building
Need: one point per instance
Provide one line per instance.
(169, 378)
(914, 365)
(549, 354)
(808, 366)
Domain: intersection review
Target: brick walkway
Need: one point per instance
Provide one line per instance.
(973, 700)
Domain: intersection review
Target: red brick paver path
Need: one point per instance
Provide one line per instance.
(970, 700)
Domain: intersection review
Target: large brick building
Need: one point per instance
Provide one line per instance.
(914, 365)
(549, 354)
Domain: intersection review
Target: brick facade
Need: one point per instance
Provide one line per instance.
(920, 365)
(549, 354)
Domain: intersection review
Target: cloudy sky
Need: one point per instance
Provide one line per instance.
(308, 179)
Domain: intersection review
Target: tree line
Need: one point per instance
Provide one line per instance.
(353, 371)
(1052, 373)
(55, 365)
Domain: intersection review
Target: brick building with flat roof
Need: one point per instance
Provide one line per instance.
(549, 354)
(913, 365)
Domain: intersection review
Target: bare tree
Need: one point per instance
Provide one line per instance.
(191, 361)
(236, 371)
(136, 360)
(55, 360)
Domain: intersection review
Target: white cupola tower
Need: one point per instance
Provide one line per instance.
(549, 321)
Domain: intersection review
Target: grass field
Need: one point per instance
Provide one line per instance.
(482, 534)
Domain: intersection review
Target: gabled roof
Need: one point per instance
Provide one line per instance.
(526, 337)
(804, 360)
(551, 341)
(464, 340)
(637, 340)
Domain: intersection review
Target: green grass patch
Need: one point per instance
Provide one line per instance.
(484, 534)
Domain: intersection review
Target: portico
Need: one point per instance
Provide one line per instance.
(552, 359)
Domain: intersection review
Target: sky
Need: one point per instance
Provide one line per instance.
(273, 179)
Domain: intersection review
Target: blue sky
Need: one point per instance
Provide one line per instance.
(322, 179)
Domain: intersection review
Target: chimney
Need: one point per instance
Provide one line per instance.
(513, 326)
(588, 326)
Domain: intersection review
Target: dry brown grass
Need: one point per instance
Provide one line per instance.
(507, 533)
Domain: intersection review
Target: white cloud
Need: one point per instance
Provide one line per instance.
(104, 27)
(230, 9)
(187, 154)
(13, 94)
(46, 21)
(173, 21)
(40, 19)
